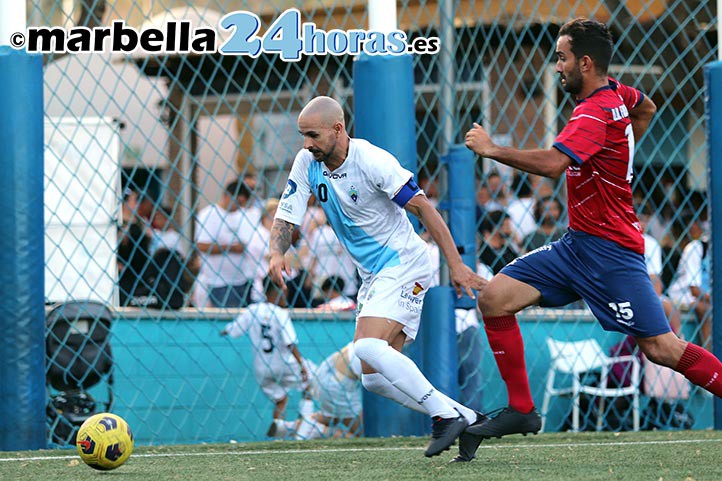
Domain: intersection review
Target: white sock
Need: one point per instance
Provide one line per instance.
(404, 375)
(378, 384)
(310, 429)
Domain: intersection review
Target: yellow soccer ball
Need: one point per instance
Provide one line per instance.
(104, 441)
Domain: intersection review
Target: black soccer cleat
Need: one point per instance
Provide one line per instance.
(508, 421)
(444, 432)
(469, 443)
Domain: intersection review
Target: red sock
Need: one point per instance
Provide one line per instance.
(702, 368)
(508, 347)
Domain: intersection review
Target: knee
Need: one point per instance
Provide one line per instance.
(368, 348)
(491, 302)
(374, 383)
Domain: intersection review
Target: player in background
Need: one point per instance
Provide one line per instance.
(601, 258)
(336, 386)
(277, 362)
(365, 194)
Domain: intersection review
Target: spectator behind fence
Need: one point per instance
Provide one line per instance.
(133, 246)
(165, 235)
(690, 289)
(521, 207)
(277, 362)
(256, 200)
(218, 229)
(653, 261)
(328, 257)
(332, 296)
(548, 213)
(492, 194)
(497, 247)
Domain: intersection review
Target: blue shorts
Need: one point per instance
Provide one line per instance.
(611, 279)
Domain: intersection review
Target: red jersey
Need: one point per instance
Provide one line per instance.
(600, 141)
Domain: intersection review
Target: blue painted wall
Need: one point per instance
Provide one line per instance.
(179, 381)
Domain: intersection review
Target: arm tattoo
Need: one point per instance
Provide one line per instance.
(281, 233)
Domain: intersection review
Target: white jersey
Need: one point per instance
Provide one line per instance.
(217, 225)
(652, 255)
(357, 199)
(272, 335)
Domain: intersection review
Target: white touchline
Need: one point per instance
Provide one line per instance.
(361, 450)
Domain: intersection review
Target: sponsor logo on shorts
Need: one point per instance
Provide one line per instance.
(417, 288)
(543, 248)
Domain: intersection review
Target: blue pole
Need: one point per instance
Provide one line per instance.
(22, 255)
(713, 83)
(461, 205)
(385, 115)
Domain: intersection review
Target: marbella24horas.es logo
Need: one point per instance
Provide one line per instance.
(287, 37)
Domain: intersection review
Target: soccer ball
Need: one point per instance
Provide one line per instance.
(104, 441)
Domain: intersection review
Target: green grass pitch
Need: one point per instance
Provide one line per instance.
(658, 456)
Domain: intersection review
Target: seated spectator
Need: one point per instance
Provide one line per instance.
(165, 235)
(133, 251)
(277, 362)
(690, 289)
(547, 212)
(332, 297)
(497, 246)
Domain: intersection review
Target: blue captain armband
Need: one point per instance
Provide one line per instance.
(406, 192)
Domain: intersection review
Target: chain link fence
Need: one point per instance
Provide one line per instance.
(159, 164)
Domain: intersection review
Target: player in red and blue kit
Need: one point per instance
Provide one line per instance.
(601, 258)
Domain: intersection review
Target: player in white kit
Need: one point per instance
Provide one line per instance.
(277, 362)
(363, 191)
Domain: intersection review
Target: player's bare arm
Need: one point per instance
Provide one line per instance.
(299, 359)
(462, 278)
(546, 162)
(281, 235)
(641, 116)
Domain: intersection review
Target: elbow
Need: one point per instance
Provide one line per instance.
(555, 171)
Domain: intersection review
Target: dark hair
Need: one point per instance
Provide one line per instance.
(269, 286)
(539, 209)
(521, 185)
(334, 283)
(237, 189)
(592, 38)
(492, 219)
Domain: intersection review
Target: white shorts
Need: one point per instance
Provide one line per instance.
(337, 398)
(276, 381)
(397, 293)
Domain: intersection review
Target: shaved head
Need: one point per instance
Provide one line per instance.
(324, 111)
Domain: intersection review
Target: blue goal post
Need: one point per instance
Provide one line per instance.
(713, 82)
(22, 301)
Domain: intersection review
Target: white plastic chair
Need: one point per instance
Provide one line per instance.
(578, 358)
